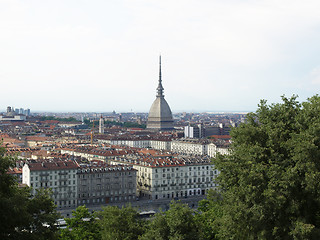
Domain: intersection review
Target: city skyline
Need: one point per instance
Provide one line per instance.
(97, 56)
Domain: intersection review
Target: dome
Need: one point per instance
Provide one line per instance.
(160, 116)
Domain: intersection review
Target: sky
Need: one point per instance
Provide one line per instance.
(100, 56)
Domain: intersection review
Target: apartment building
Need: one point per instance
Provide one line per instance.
(161, 144)
(60, 176)
(94, 153)
(189, 146)
(171, 177)
(103, 184)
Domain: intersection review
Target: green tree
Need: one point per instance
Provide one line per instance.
(24, 216)
(178, 222)
(69, 119)
(120, 223)
(210, 213)
(83, 225)
(270, 182)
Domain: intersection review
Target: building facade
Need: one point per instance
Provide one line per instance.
(105, 184)
(60, 176)
(189, 146)
(166, 178)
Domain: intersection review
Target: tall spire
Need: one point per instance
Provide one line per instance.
(160, 88)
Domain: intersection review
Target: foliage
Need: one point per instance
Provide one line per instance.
(178, 222)
(114, 123)
(270, 182)
(23, 216)
(69, 119)
(210, 215)
(82, 225)
(120, 223)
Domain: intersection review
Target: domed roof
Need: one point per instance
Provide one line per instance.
(160, 115)
(160, 109)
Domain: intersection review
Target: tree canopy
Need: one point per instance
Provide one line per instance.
(120, 223)
(24, 216)
(178, 222)
(82, 225)
(270, 181)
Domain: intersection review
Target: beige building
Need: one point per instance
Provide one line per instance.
(163, 178)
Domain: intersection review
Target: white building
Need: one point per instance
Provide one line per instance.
(160, 144)
(163, 178)
(211, 150)
(189, 146)
(137, 143)
(18, 117)
(60, 176)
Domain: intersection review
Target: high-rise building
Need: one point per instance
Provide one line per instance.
(160, 116)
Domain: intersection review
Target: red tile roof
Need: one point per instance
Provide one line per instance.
(52, 165)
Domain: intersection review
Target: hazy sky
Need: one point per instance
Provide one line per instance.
(88, 55)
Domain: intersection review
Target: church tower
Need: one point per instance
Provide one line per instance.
(160, 116)
(101, 125)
